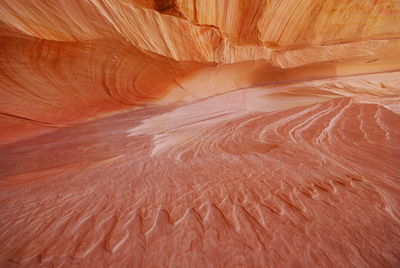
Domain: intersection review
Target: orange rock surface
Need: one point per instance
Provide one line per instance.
(208, 133)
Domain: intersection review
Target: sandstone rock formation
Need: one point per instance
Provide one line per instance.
(200, 133)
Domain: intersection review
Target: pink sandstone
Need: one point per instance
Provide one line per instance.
(208, 133)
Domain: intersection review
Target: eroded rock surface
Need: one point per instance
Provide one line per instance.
(182, 133)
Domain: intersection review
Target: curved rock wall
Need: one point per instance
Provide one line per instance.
(199, 133)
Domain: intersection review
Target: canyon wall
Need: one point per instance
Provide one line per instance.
(200, 133)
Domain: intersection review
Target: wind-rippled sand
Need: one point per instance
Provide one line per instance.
(211, 183)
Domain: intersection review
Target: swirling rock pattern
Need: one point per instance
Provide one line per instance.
(182, 133)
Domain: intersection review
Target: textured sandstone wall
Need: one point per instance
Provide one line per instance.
(199, 133)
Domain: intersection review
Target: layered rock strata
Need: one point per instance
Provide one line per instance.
(215, 133)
